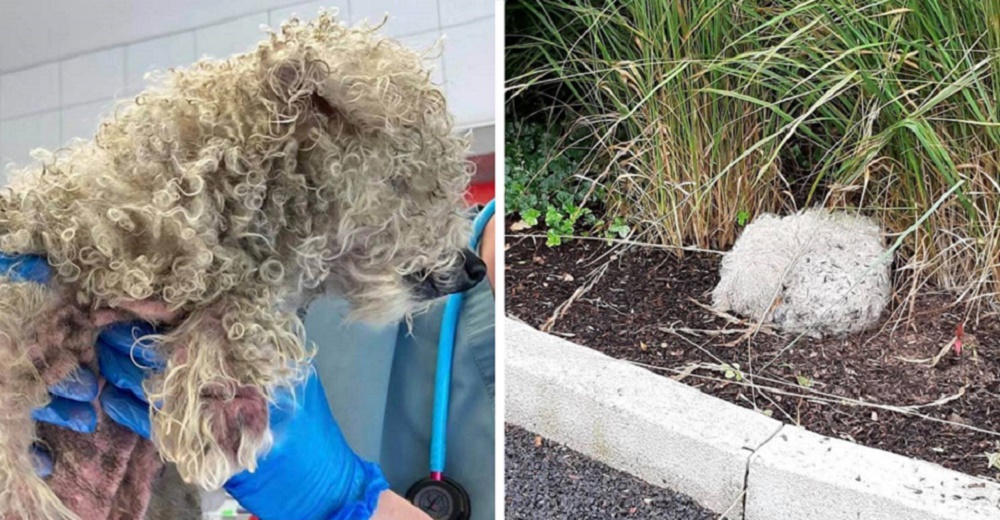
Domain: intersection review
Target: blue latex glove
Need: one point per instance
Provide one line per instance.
(70, 405)
(310, 471)
(124, 359)
(69, 408)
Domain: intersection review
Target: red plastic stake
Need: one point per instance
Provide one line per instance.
(959, 332)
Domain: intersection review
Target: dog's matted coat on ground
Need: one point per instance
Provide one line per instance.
(218, 202)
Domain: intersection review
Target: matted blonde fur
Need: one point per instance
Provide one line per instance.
(231, 193)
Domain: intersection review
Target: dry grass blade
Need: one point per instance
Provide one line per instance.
(933, 361)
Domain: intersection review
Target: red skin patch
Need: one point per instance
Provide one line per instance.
(110, 473)
(235, 413)
(105, 474)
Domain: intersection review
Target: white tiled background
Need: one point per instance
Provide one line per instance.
(63, 62)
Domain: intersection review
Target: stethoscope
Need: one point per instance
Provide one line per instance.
(437, 495)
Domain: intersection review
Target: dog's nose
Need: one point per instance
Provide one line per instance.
(472, 272)
(475, 268)
(467, 275)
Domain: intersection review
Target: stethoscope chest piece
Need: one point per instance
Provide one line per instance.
(440, 499)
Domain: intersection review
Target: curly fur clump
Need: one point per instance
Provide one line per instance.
(814, 273)
(220, 200)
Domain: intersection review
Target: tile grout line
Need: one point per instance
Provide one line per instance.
(194, 35)
(192, 29)
(444, 60)
(62, 106)
(158, 36)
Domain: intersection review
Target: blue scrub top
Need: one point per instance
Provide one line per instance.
(380, 384)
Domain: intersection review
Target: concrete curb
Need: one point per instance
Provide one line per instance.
(664, 432)
(800, 474)
(722, 455)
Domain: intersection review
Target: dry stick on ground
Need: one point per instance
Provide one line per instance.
(824, 397)
(580, 291)
(619, 241)
(752, 327)
(738, 502)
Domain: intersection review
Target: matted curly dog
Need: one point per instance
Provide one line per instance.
(218, 202)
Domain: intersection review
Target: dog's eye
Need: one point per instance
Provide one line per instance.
(398, 184)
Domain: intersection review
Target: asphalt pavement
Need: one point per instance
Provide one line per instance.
(545, 480)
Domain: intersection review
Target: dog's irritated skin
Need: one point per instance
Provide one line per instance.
(229, 194)
(815, 272)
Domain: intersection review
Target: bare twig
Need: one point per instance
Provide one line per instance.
(823, 397)
(580, 291)
(621, 241)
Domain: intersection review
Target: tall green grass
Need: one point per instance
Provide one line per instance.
(643, 75)
(707, 109)
(906, 95)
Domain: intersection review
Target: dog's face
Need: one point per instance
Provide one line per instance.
(375, 136)
(400, 230)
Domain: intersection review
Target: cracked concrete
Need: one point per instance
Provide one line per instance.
(732, 460)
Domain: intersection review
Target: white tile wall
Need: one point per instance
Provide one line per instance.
(36, 31)
(158, 54)
(94, 76)
(308, 11)
(470, 77)
(430, 44)
(20, 135)
(31, 90)
(405, 17)
(233, 37)
(82, 120)
(454, 12)
(62, 61)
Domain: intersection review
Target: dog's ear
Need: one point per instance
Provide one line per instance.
(353, 77)
(379, 86)
(294, 85)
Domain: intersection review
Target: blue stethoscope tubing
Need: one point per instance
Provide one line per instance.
(446, 348)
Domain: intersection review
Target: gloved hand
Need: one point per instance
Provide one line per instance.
(124, 358)
(310, 471)
(71, 406)
(70, 398)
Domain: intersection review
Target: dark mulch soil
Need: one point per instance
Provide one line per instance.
(544, 480)
(645, 291)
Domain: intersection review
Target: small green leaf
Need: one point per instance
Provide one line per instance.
(530, 216)
(742, 217)
(552, 217)
(620, 230)
(553, 239)
(993, 458)
(804, 381)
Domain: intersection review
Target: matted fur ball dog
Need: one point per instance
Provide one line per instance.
(815, 272)
(218, 202)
